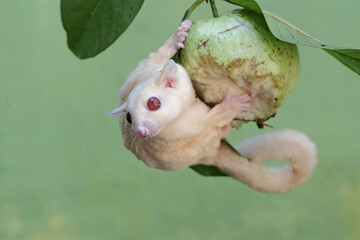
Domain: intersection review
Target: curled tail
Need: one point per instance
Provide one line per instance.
(288, 144)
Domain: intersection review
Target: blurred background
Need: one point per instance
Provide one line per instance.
(64, 173)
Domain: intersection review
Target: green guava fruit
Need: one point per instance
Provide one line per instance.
(237, 52)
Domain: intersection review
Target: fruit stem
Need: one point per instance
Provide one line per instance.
(213, 8)
(191, 9)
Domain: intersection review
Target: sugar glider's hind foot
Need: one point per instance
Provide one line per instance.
(182, 33)
(185, 25)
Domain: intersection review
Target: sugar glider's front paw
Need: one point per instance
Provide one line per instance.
(182, 33)
(240, 103)
(224, 113)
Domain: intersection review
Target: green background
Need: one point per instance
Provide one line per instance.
(64, 173)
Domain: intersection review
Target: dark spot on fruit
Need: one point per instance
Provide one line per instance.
(203, 43)
(323, 45)
(276, 99)
(227, 30)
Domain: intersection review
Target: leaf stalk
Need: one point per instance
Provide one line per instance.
(191, 9)
(213, 8)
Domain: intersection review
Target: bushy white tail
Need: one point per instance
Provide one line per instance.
(288, 144)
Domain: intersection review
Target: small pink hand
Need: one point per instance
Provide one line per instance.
(241, 102)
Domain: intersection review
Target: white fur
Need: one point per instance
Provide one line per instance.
(184, 131)
(283, 144)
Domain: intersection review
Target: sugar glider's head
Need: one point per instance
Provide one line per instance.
(154, 104)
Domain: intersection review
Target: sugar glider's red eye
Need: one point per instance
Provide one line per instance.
(128, 118)
(153, 103)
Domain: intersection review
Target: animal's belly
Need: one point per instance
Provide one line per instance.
(179, 154)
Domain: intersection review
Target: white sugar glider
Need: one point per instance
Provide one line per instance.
(167, 127)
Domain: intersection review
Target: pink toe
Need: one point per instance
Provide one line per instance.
(180, 45)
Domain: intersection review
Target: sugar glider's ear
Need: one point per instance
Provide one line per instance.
(118, 111)
(168, 77)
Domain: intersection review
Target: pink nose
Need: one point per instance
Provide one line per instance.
(143, 132)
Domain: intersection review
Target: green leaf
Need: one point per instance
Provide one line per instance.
(349, 57)
(284, 31)
(249, 4)
(93, 25)
(213, 171)
(208, 170)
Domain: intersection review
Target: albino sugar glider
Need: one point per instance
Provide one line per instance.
(167, 127)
